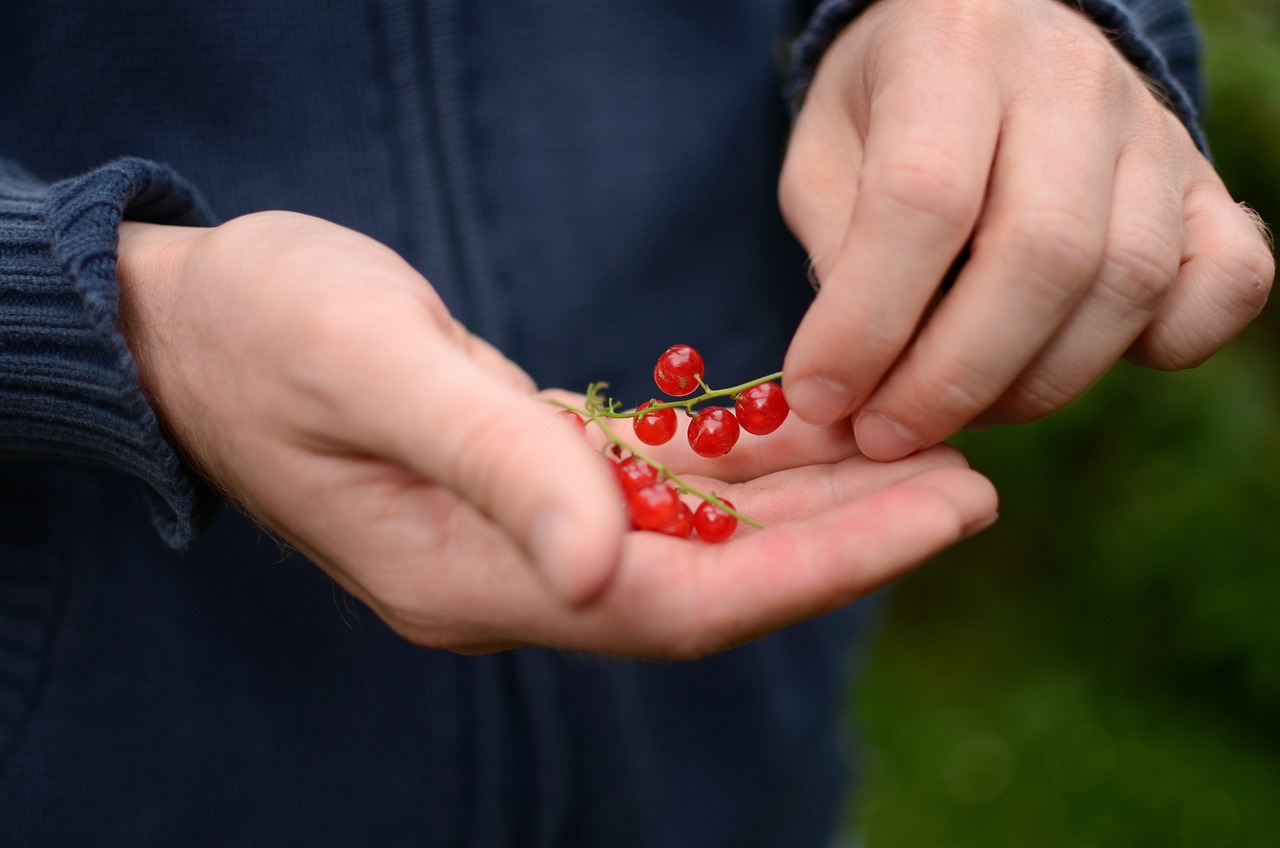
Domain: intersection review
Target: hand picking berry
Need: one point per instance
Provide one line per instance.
(651, 491)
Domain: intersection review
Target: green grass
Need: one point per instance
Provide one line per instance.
(1101, 667)
(989, 729)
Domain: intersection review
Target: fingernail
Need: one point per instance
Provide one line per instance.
(981, 524)
(818, 400)
(881, 438)
(983, 422)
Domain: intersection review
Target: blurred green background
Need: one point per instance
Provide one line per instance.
(1102, 667)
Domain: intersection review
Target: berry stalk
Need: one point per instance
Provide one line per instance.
(610, 408)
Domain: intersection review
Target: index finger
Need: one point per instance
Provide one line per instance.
(928, 152)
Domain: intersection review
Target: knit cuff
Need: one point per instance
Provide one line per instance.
(69, 388)
(1159, 39)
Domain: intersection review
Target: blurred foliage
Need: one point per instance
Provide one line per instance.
(1102, 667)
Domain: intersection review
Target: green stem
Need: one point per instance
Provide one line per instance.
(608, 408)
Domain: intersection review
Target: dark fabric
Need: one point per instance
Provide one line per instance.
(585, 183)
(67, 379)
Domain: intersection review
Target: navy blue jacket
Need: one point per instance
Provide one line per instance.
(585, 183)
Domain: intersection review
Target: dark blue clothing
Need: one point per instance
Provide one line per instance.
(585, 183)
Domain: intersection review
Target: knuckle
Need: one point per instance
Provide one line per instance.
(1053, 242)
(1241, 270)
(955, 391)
(1032, 398)
(966, 28)
(927, 179)
(980, 16)
(1088, 62)
(1255, 275)
(1099, 66)
(880, 337)
(797, 185)
(840, 321)
(1169, 348)
(1140, 270)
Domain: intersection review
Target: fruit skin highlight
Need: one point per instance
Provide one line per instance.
(657, 427)
(678, 370)
(762, 409)
(713, 432)
(713, 523)
(654, 507)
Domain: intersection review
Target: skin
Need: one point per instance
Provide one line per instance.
(1097, 229)
(318, 380)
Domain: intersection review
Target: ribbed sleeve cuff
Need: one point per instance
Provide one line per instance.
(69, 387)
(1157, 36)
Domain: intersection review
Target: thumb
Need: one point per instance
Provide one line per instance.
(472, 429)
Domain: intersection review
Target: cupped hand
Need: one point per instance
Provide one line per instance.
(319, 381)
(1094, 226)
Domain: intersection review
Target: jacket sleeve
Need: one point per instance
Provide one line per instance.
(69, 387)
(1159, 37)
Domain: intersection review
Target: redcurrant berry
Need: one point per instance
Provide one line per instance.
(682, 527)
(570, 415)
(654, 507)
(762, 409)
(678, 370)
(657, 427)
(713, 523)
(713, 432)
(634, 473)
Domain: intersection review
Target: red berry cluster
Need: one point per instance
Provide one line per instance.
(653, 494)
(759, 409)
(655, 505)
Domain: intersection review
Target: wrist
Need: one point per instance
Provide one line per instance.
(151, 265)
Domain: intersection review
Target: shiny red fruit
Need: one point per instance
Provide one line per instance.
(634, 473)
(655, 428)
(678, 370)
(762, 409)
(654, 507)
(713, 432)
(570, 415)
(682, 526)
(713, 523)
